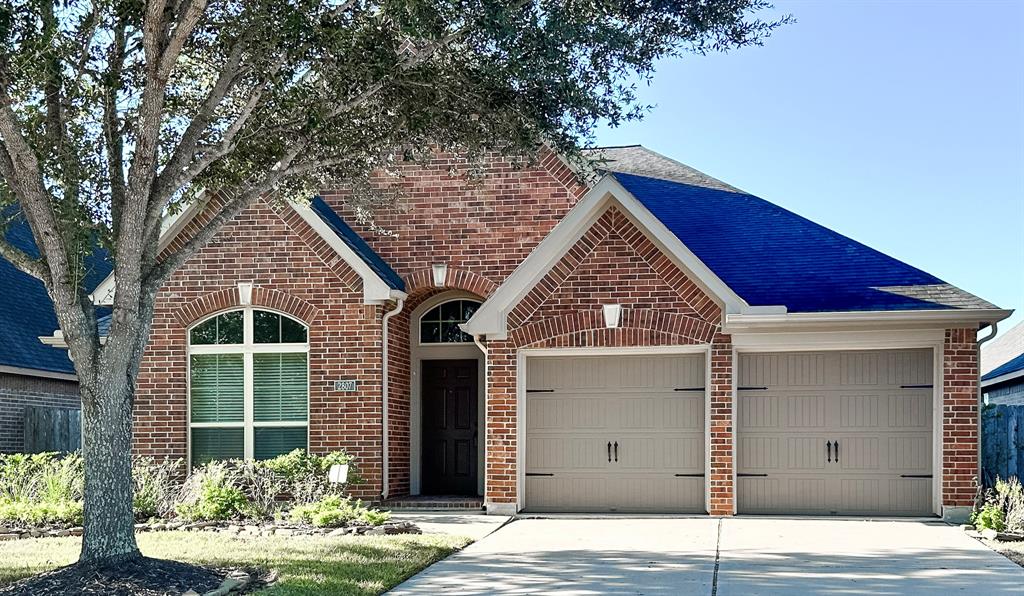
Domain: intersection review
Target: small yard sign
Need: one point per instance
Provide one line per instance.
(345, 385)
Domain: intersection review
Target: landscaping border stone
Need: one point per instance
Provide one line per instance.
(237, 528)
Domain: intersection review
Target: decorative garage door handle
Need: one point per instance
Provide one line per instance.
(616, 451)
(828, 449)
(609, 451)
(837, 452)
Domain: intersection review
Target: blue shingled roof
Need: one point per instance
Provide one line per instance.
(26, 311)
(770, 256)
(357, 244)
(1015, 365)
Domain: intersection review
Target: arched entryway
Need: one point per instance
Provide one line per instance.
(447, 380)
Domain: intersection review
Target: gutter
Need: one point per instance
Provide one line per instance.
(384, 437)
(995, 330)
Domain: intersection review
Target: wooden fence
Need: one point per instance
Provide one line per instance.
(52, 429)
(1002, 442)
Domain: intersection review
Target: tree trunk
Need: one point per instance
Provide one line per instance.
(109, 536)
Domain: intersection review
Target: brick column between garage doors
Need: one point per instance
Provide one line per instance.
(721, 487)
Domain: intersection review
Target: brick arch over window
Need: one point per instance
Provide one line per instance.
(228, 298)
(637, 327)
(456, 279)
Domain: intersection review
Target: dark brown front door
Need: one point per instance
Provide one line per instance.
(449, 427)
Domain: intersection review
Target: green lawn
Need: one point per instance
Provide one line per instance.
(307, 565)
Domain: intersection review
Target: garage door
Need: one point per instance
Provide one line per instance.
(621, 433)
(835, 433)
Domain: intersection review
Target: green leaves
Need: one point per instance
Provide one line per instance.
(295, 95)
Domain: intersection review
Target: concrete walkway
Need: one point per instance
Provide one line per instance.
(744, 555)
(473, 525)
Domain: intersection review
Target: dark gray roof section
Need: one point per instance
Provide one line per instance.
(639, 160)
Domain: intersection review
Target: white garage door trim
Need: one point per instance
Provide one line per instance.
(857, 340)
(525, 354)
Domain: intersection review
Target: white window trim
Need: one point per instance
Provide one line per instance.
(419, 323)
(247, 349)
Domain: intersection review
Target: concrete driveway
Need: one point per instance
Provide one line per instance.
(744, 555)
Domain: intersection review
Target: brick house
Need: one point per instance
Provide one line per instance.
(652, 341)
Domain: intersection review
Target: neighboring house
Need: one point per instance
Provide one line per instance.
(654, 341)
(31, 374)
(1002, 368)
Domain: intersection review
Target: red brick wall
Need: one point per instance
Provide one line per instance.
(481, 227)
(959, 417)
(612, 263)
(295, 272)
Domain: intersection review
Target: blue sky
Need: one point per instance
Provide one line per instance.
(899, 124)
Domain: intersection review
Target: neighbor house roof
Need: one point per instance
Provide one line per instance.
(27, 311)
(357, 244)
(1009, 370)
(770, 256)
(1002, 349)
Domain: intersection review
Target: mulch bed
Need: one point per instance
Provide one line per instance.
(138, 577)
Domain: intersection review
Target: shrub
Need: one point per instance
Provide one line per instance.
(1003, 507)
(50, 477)
(990, 516)
(155, 486)
(263, 487)
(41, 513)
(334, 511)
(306, 474)
(212, 493)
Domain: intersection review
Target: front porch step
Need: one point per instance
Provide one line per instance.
(434, 503)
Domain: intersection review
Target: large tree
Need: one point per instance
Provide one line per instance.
(114, 113)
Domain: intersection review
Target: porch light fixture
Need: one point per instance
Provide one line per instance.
(440, 271)
(245, 293)
(611, 315)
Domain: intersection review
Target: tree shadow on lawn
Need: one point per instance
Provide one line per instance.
(306, 565)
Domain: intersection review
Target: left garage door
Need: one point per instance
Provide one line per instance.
(615, 433)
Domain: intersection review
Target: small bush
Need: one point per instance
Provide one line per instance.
(156, 486)
(212, 493)
(41, 513)
(306, 474)
(334, 511)
(50, 477)
(1003, 507)
(990, 516)
(263, 487)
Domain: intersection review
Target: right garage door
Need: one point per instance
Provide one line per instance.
(835, 433)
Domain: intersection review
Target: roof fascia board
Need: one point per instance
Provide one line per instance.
(375, 289)
(491, 318)
(31, 372)
(918, 318)
(1003, 378)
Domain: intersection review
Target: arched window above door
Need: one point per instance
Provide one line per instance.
(440, 325)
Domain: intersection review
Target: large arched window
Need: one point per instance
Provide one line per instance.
(440, 325)
(248, 386)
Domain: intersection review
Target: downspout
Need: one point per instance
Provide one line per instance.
(981, 402)
(487, 383)
(384, 398)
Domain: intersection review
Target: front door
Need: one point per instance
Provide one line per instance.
(449, 427)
